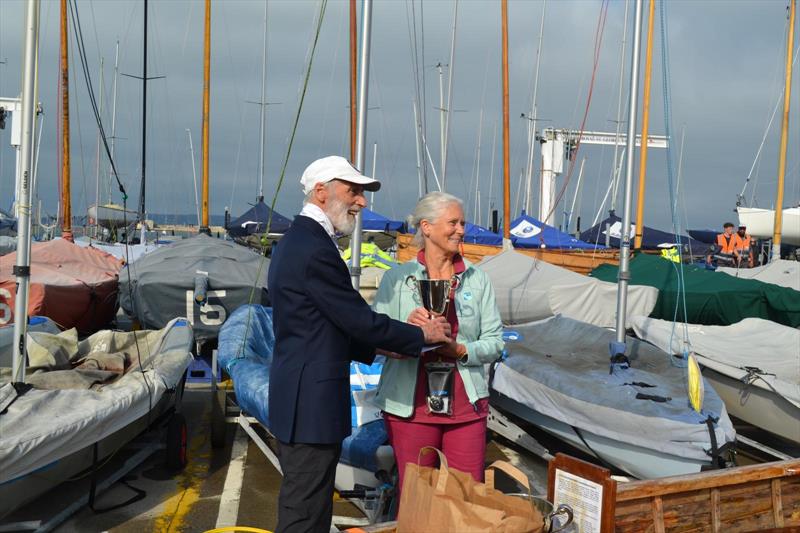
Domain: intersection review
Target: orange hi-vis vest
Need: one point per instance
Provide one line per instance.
(727, 246)
(742, 243)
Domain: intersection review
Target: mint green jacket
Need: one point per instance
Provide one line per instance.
(479, 329)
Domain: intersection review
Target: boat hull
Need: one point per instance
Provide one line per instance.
(761, 223)
(638, 461)
(111, 216)
(761, 408)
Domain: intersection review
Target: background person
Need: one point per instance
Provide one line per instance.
(742, 249)
(320, 323)
(403, 391)
(725, 245)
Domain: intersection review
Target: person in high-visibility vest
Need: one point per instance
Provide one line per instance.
(725, 245)
(742, 250)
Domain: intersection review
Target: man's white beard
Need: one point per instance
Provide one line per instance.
(342, 221)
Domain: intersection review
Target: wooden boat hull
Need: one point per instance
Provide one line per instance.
(579, 261)
(747, 498)
(762, 408)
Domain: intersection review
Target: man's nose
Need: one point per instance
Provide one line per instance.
(361, 200)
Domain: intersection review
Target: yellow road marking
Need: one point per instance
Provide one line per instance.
(188, 491)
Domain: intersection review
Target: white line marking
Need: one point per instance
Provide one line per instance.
(232, 490)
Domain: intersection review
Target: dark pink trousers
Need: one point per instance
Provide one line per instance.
(463, 445)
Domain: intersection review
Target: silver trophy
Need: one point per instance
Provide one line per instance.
(434, 293)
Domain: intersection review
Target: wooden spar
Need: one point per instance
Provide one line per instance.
(66, 224)
(353, 81)
(206, 105)
(506, 150)
(637, 241)
(776, 238)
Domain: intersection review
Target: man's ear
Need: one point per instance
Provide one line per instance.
(321, 192)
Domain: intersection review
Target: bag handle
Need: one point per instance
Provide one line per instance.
(443, 471)
(514, 472)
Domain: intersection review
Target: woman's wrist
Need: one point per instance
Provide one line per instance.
(461, 351)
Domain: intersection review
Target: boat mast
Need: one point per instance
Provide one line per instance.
(637, 242)
(97, 161)
(617, 348)
(113, 119)
(206, 105)
(506, 170)
(66, 223)
(353, 80)
(363, 86)
(787, 90)
(194, 176)
(144, 120)
(449, 111)
(617, 164)
(22, 269)
(263, 110)
(533, 116)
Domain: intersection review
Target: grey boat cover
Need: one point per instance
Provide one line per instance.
(162, 283)
(47, 423)
(528, 289)
(781, 272)
(770, 349)
(560, 367)
(7, 244)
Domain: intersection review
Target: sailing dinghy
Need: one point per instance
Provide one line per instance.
(639, 419)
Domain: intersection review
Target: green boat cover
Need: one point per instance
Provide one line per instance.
(712, 298)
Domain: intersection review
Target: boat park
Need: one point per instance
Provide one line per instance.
(649, 378)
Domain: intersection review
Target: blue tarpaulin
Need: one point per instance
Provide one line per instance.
(474, 234)
(652, 239)
(527, 232)
(372, 221)
(254, 220)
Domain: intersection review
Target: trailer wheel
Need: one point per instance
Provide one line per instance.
(176, 442)
(218, 424)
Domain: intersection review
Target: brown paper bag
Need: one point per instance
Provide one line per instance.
(444, 499)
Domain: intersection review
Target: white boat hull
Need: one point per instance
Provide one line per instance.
(761, 223)
(757, 406)
(638, 461)
(111, 216)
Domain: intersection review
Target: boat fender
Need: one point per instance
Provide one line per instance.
(201, 289)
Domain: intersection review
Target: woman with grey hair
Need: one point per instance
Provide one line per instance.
(441, 398)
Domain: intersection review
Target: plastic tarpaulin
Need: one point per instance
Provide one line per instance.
(372, 221)
(246, 344)
(531, 233)
(474, 234)
(753, 342)
(527, 289)
(652, 239)
(780, 272)
(43, 426)
(255, 219)
(560, 367)
(711, 298)
(162, 283)
(8, 224)
(74, 286)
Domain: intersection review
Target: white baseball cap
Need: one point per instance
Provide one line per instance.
(335, 167)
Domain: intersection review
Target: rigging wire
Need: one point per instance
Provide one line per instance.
(598, 42)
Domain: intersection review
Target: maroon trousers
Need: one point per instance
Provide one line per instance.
(463, 445)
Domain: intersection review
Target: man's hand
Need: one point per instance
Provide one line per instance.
(419, 317)
(436, 330)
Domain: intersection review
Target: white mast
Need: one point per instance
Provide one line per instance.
(194, 176)
(97, 160)
(113, 120)
(449, 111)
(614, 173)
(263, 110)
(534, 116)
(361, 136)
(617, 348)
(23, 266)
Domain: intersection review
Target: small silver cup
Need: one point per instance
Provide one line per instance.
(434, 293)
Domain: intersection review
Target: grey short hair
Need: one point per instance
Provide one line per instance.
(310, 194)
(430, 208)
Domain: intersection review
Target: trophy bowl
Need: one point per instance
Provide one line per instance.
(434, 293)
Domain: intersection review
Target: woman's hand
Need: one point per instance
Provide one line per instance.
(419, 317)
(450, 349)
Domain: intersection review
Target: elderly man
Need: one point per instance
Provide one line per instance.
(321, 323)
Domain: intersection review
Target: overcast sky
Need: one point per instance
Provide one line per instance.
(726, 62)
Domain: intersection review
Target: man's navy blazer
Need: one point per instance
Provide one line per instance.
(320, 323)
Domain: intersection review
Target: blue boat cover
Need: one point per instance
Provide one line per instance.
(372, 221)
(528, 232)
(255, 219)
(708, 236)
(474, 234)
(652, 239)
(246, 343)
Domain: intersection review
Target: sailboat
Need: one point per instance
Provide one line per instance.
(631, 411)
(66, 404)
